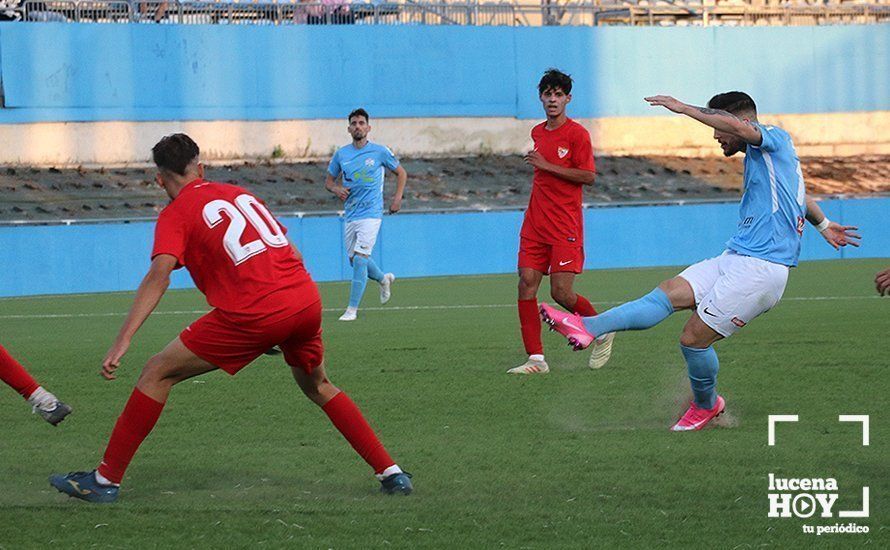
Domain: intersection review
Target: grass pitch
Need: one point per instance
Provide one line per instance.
(576, 458)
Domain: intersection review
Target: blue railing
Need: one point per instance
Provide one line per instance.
(113, 257)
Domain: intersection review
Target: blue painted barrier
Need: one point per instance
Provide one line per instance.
(109, 257)
(87, 72)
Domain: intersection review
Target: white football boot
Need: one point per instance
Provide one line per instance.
(532, 366)
(350, 314)
(386, 287)
(601, 351)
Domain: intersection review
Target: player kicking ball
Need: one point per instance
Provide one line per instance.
(551, 241)
(362, 165)
(748, 279)
(241, 260)
(42, 402)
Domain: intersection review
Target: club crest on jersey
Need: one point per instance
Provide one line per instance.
(369, 162)
(562, 152)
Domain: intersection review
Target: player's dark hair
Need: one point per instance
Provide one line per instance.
(359, 112)
(174, 153)
(733, 102)
(554, 79)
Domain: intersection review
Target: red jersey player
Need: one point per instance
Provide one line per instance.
(552, 238)
(43, 402)
(240, 259)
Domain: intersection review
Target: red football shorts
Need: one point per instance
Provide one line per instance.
(230, 346)
(550, 258)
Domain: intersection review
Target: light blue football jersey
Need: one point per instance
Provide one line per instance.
(773, 209)
(363, 171)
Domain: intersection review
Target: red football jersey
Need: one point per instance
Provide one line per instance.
(236, 252)
(554, 208)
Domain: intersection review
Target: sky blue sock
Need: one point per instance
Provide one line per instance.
(640, 314)
(374, 272)
(702, 365)
(359, 280)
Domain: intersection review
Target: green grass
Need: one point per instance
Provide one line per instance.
(576, 458)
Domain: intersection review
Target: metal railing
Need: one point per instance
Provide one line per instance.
(445, 13)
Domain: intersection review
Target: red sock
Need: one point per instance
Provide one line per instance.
(15, 375)
(134, 424)
(583, 307)
(347, 418)
(530, 325)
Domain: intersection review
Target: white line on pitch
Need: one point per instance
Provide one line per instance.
(377, 308)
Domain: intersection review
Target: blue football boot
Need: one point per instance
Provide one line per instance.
(83, 485)
(397, 484)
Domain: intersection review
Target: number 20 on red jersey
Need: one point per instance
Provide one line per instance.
(246, 209)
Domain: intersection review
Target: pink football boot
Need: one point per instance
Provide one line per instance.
(697, 418)
(570, 325)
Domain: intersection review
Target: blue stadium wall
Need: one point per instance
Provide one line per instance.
(87, 72)
(111, 257)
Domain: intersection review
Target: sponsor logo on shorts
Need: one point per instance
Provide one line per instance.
(711, 314)
(562, 152)
(738, 322)
(567, 262)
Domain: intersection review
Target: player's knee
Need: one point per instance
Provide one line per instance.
(320, 393)
(679, 292)
(668, 286)
(690, 339)
(154, 371)
(315, 384)
(528, 284)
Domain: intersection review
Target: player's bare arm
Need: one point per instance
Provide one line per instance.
(331, 185)
(835, 234)
(575, 175)
(717, 119)
(401, 181)
(149, 293)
